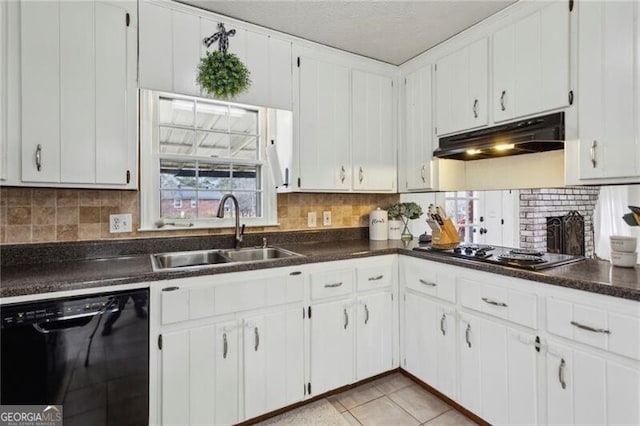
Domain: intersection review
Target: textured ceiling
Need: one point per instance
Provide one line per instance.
(390, 31)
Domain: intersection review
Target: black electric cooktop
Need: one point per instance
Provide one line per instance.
(506, 256)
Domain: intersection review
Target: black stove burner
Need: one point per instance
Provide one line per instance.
(529, 252)
(521, 258)
(506, 256)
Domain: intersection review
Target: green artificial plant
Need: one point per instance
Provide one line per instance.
(223, 75)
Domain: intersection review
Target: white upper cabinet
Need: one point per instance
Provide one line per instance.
(531, 64)
(417, 142)
(323, 119)
(461, 89)
(346, 134)
(172, 43)
(79, 117)
(608, 79)
(374, 154)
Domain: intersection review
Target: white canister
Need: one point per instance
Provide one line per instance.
(395, 229)
(378, 225)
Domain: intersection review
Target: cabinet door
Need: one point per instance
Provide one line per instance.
(332, 340)
(273, 361)
(523, 378)
(156, 41)
(418, 130)
(280, 74)
(531, 64)
(40, 50)
(608, 118)
(587, 388)
(421, 328)
(452, 85)
(113, 106)
(324, 111)
(494, 372)
(175, 383)
(372, 132)
(446, 350)
(374, 333)
(185, 56)
(475, 107)
(469, 328)
(226, 374)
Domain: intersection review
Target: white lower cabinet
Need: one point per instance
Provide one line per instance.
(585, 387)
(351, 326)
(498, 371)
(200, 372)
(374, 334)
(430, 330)
(332, 345)
(273, 361)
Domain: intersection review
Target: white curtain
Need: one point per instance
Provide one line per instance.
(612, 204)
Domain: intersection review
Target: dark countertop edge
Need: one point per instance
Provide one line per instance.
(37, 287)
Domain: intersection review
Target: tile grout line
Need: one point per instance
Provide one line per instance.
(441, 414)
(406, 411)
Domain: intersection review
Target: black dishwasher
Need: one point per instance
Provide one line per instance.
(88, 354)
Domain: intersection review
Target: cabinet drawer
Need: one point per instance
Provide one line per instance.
(240, 296)
(429, 278)
(512, 305)
(331, 284)
(182, 302)
(373, 277)
(594, 326)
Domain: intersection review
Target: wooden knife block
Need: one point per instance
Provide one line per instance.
(447, 237)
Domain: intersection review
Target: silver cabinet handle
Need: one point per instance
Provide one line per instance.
(594, 145)
(171, 288)
(346, 318)
(427, 283)
(467, 334)
(333, 285)
(561, 374)
(442, 320)
(366, 314)
(494, 303)
(343, 174)
(361, 175)
(422, 171)
(502, 105)
(256, 338)
(39, 157)
(225, 345)
(376, 278)
(588, 328)
(475, 108)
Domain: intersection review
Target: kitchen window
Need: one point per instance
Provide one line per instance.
(463, 208)
(199, 150)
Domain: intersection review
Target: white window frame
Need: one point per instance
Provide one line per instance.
(150, 172)
(453, 196)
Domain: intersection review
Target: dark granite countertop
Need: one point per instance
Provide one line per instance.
(130, 263)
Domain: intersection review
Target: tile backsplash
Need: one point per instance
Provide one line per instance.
(33, 215)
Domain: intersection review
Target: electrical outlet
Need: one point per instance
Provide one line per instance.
(311, 219)
(326, 218)
(119, 223)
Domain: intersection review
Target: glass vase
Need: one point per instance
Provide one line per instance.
(406, 234)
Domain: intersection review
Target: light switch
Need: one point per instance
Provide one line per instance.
(326, 218)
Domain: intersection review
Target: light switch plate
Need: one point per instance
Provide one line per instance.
(311, 220)
(119, 223)
(326, 218)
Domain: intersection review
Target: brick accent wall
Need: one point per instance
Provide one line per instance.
(538, 204)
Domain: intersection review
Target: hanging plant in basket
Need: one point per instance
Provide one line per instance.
(220, 73)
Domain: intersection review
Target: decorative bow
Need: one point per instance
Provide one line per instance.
(222, 37)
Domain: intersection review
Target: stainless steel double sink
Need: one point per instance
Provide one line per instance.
(211, 258)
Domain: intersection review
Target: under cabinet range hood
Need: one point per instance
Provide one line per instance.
(539, 134)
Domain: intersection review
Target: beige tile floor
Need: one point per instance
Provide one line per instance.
(393, 400)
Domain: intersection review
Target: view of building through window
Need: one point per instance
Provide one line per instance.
(208, 149)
